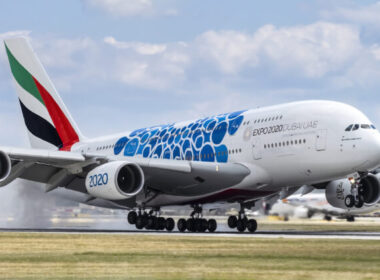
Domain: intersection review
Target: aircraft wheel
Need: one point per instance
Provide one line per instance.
(198, 225)
(190, 224)
(169, 224)
(350, 219)
(241, 225)
(132, 216)
(204, 225)
(327, 218)
(359, 202)
(161, 223)
(139, 222)
(151, 223)
(212, 225)
(232, 221)
(349, 201)
(252, 225)
(181, 225)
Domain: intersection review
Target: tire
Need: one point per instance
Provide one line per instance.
(359, 202)
(169, 224)
(139, 222)
(251, 225)
(204, 223)
(132, 216)
(151, 223)
(232, 221)
(161, 223)
(190, 225)
(327, 218)
(241, 225)
(198, 225)
(349, 201)
(181, 225)
(212, 225)
(350, 219)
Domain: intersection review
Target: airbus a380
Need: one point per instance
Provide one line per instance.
(238, 157)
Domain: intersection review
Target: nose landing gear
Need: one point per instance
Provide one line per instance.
(356, 197)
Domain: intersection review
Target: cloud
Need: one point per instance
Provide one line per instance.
(141, 48)
(128, 8)
(311, 50)
(368, 14)
(156, 66)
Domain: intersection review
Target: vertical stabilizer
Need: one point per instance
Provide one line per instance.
(49, 124)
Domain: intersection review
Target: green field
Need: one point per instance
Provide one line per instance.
(81, 256)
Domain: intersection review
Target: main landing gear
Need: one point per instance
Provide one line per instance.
(356, 197)
(151, 220)
(196, 223)
(241, 222)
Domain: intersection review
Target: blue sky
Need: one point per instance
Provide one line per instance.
(123, 64)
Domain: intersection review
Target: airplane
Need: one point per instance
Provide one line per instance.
(315, 202)
(239, 157)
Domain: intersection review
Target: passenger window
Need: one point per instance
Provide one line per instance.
(349, 128)
(356, 127)
(365, 126)
(373, 127)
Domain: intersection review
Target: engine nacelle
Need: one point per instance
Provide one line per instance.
(5, 166)
(336, 191)
(115, 180)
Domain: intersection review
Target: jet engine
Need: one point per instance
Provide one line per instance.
(369, 190)
(115, 180)
(5, 166)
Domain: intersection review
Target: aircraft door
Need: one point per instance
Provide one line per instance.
(256, 148)
(320, 144)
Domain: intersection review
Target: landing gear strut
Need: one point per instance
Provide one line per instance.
(241, 222)
(196, 223)
(356, 197)
(151, 220)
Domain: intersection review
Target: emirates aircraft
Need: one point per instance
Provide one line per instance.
(238, 157)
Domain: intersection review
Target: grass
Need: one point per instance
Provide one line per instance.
(319, 226)
(81, 256)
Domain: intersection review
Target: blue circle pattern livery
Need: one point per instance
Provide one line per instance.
(199, 141)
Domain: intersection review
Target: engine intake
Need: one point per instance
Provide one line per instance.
(115, 180)
(5, 166)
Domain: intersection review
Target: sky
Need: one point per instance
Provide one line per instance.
(124, 64)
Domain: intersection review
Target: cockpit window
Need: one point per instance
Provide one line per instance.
(349, 127)
(353, 127)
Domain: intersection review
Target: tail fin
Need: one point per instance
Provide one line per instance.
(49, 123)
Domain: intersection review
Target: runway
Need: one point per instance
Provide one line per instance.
(259, 234)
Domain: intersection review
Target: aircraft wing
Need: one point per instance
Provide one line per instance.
(69, 169)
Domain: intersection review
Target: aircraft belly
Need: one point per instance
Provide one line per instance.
(228, 195)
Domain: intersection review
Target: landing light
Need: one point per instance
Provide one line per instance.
(352, 180)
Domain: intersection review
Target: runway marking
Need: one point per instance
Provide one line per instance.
(259, 234)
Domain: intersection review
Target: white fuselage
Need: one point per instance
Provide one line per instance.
(287, 145)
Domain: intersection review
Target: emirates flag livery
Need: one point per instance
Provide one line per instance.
(44, 117)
